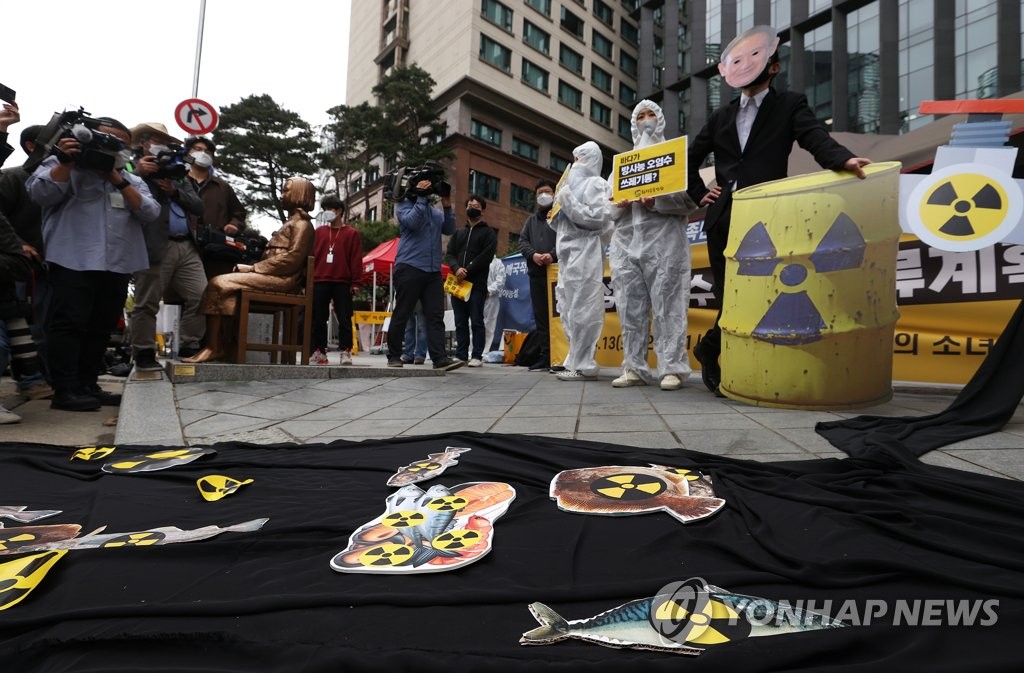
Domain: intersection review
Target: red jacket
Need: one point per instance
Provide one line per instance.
(347, 262)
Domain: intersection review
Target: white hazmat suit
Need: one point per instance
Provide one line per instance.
(649, 258)
(580, 224)
(495, 284)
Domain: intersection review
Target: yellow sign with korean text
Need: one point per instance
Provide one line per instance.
(459, 289)
(650, 171)
(557, 206)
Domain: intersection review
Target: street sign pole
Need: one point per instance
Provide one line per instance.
(199, 48)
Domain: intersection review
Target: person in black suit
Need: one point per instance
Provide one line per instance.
(751, 139)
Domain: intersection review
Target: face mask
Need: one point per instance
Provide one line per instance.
(122, 158)
(647, 125)
(328, 216)
(763, 77)
(545, 200)
(472, 213)
(202, 159)
(155, 150)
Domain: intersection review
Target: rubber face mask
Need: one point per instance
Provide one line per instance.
(545, 200)
(745, 58)
(202, 159)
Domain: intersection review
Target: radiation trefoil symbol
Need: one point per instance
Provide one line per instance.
(793, 319)
(965, 206)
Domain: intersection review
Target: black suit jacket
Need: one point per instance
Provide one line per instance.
(784, 117)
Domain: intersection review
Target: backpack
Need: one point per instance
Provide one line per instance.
(529, 354)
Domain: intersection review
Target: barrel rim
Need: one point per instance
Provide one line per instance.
(819, 180)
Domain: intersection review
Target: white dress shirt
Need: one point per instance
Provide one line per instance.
(747, 114)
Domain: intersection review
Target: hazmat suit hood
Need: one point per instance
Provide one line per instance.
(584, 197)
(656, 136)
(587, 162)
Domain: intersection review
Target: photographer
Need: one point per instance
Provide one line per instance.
(174, 261)
(93, 221)
(417, 271)
(221, 208)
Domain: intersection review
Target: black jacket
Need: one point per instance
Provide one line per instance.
(157, 231)
(537, 236)
(784, 117)
(24, 214)
(472, 248)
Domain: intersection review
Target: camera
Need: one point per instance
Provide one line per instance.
(99, 149)
(172, 164)
(402, 182)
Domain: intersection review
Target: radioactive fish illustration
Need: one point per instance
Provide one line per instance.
(159, 460)
(216, 486)
(442, 528)
(30, 538)
(686, 618)
(421, 470)
(100, 540)
(19, 577)
(22, 514)
(92, 452)
(618, 490)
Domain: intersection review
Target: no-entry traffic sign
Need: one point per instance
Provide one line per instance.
(196, 116)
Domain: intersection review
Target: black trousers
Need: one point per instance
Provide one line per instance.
(541, 315)
(323, 295)
(426, 287)
(84, 307)
(718, 238)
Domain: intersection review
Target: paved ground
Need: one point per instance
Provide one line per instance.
(370, 402)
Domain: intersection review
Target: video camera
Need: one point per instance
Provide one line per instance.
(402, 182)
(99, 149)
(173, 164)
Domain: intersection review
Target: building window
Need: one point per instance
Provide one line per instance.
(627, 96)
(557, 163)
(570, 59)
(488, 134)
(627, 63)
(495, 53)
(713, 33)
(976, 63)
(603, 11)
(485, 185)
(497, 13)
(536, 38)
(602, 45)
(602, 114)
(916, 64)
(781, 14)
(629, 32)
(600, 78)
(744, 15)
(522, 198)
(862, 40)
(818, 72)
(625, 129)
(572, 23)
(571, 96)
(525, 149)
(535, 76)
(371, 215)
(542, 6)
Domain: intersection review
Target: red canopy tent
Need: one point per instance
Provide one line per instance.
(379, 261)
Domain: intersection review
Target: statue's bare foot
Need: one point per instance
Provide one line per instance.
(205, 355)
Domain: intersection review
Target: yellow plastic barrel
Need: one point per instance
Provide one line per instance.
(810, 296)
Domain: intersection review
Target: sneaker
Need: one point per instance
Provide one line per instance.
(671, 382)
(474, 362)
(629, 378)
(318, 357)
(8, 417)
(38, 391)
(419, 361)
(345, 358)
(395, 361)
(448, 364)
(406, 360)
(145, 361)
(575, 375)
(69, 400)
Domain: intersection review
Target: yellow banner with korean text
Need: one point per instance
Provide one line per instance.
(655, 170)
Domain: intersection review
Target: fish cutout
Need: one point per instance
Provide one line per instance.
(93, 452)
(432, 466)
(22, 514)
(213, 487)
(144, 538)
(688, 619)
(427, 531)
(22, 538)
(159, 460)
(19, 577)
(619, 490)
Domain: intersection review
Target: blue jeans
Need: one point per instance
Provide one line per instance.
(415, 336)
(469, 315)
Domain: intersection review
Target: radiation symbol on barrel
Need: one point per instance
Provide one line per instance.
(792, 318)
(459, 538)
(965, 206)
(403, 519)
(142, 539)
(628, 486)
(388, 554)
